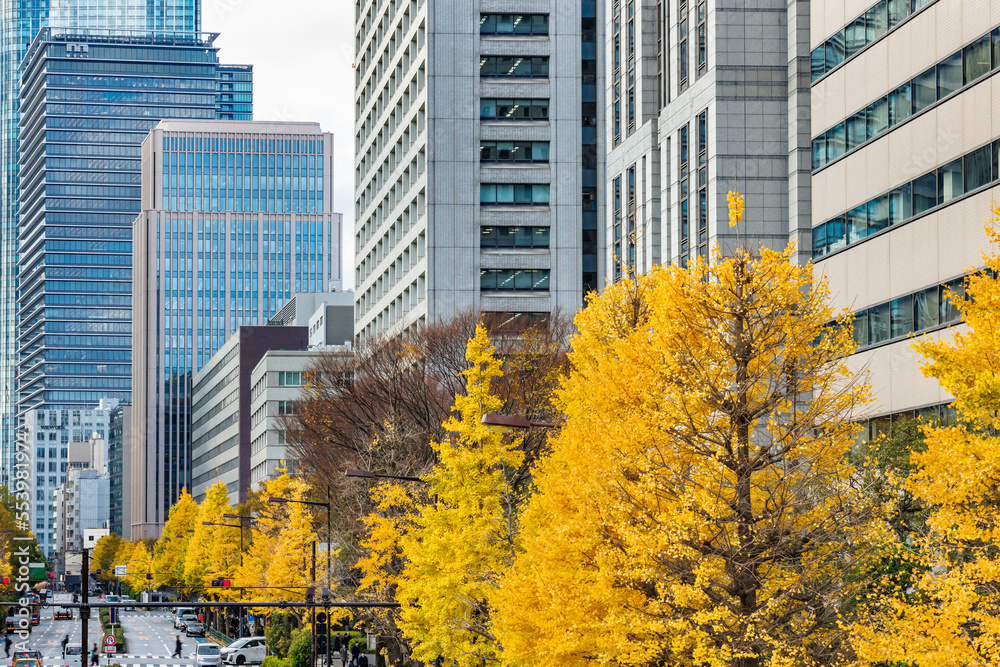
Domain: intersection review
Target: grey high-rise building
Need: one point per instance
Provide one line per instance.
(236, 217)
(20, 21)
(478, 182)
(703, 99)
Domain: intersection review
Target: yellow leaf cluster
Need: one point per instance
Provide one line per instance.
(696, 508)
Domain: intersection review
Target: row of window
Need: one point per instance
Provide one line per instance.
(516, 280)
(526, 109)
(923, 91)
(94, 177)
(909, 314)
(291, 379)
(513, 151)
(513, 237)
(513, 24)
(242, 145)
(532, 67)
(935, 188)
(513, 194)
(97, 81)
(862, 31)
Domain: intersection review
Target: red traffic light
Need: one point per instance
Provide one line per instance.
(6, 580)
(52, 575)
(225, 583)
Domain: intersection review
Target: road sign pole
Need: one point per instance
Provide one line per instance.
(84, 607)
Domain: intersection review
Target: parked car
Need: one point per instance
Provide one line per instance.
(207, 655)
(249, 650)
(193, 628)
(180, 613)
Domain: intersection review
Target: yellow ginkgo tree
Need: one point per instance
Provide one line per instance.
(443, 553)
(697, 506)
(170, 551)
(213, 550)
(950, 616)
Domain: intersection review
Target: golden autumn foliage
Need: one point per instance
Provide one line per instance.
(697, 507)
(213, 551)
(443, 556)
(950, 616)
(170, 552)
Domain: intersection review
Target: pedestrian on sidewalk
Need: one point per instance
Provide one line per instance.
(355, 652)
(94, 656)
(64, 642)
(343, 656)
(177, 647)
(6, 644)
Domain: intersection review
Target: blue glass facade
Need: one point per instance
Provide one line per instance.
(88, 99)
(20, 21)
(236, 219)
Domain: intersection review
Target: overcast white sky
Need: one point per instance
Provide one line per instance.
(301, 52)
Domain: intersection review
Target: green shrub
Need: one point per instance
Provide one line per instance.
(300, 654)
(275, 661)
(278, 634)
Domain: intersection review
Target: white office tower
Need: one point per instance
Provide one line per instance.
(477, 170)
(905, 145)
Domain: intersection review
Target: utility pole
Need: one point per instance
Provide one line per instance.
(84, 606)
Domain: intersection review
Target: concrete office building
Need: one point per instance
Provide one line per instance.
(57, 440)
(236, 217)
(905, 150)
(477, 170)
(81, 505)
(20, 21)
(120, 470)
(703, 99)
(221, 415)
(277, 383)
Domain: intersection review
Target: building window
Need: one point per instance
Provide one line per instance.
(702, 36)
(616, 50)
(682, 45)
(631, 209)
(514, 280)
(531, 67)
(521, 110)
(286, 407)
(928, 88)
(514, 237)
(513, 24)
(618, 228)
(513, 151)
(289, 379)
(974, 170)
(703, 184)
(513, 194)
(684, 227)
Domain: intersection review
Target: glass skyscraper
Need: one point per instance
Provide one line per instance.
(236, 217)
(88, 99)
(20, 21)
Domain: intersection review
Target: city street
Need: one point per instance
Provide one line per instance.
(150, 637)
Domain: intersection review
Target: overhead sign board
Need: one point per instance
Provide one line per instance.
(121, 570)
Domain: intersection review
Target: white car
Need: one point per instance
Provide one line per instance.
(249, 650)
(207, 655)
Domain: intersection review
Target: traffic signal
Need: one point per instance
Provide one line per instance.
(149, 576)
(6, 580)
(310, 593)
(321, 632)
(225, 583)
(216, 582)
